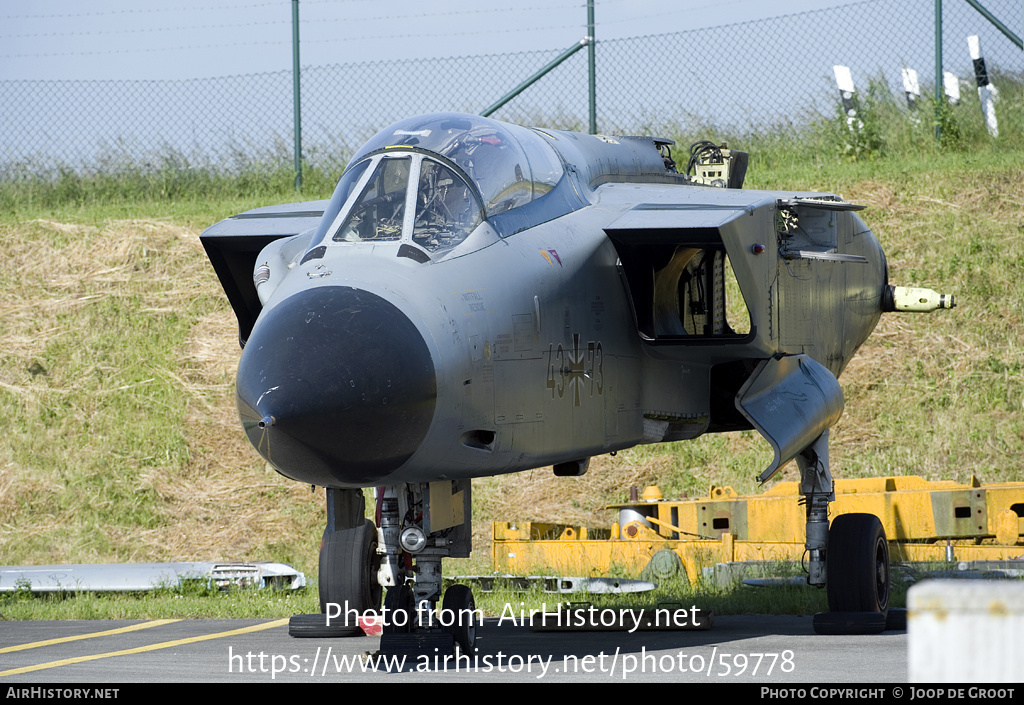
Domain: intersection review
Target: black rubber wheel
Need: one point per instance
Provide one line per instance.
(459, 608)
(315, 625)
(847, 623)
(400, 612)
(857, 565)
(348, 569)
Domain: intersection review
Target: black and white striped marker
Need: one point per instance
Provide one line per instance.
(951, 85)
(987, 93)
(911, 87)
(848, 95)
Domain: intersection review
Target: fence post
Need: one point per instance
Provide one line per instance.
(296, 95)
(592, 65)
(938, 70)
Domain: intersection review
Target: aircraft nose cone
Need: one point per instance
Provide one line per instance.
(336, 387)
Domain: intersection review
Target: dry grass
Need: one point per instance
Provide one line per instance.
(64, 380)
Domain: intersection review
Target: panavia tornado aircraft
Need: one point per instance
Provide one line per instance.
(479, 298)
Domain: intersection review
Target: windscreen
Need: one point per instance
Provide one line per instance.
(380, 209)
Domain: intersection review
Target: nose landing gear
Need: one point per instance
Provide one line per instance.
(420, 524)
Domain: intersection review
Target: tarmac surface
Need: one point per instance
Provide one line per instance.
(736, 649)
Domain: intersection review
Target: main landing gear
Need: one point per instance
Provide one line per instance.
(850, 558)
(419, 524)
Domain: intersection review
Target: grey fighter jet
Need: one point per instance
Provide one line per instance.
(479, 298)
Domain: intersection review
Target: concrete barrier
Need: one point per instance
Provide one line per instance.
(965, 631)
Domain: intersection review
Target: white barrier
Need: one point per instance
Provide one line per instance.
(965, 631)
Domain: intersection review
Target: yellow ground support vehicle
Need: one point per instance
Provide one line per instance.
(932, 521)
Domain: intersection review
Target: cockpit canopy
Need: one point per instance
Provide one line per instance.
(465, 169)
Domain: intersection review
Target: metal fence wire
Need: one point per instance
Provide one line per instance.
(759, 76)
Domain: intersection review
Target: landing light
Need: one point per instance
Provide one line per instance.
(413, 539)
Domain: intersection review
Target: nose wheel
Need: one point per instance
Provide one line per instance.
(399, 610)
(459, 611)
(414, 631)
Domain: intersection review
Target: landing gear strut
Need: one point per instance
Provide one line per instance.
(850, 558)
(816, 487)
(419, 525)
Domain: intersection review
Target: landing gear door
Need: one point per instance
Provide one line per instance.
(791, 401)
(448, 508)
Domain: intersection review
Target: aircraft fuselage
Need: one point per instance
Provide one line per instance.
(628, 307)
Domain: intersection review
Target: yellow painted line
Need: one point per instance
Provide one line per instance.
(63, 640)
(143, 649)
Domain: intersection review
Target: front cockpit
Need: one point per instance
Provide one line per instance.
(430, 181)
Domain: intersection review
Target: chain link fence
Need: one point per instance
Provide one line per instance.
(760, 76)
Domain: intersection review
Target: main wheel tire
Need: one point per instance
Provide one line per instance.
(399, 610)
(459, 607)
(857, 565)
(348, 569)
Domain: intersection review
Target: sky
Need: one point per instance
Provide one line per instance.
(183, 39)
